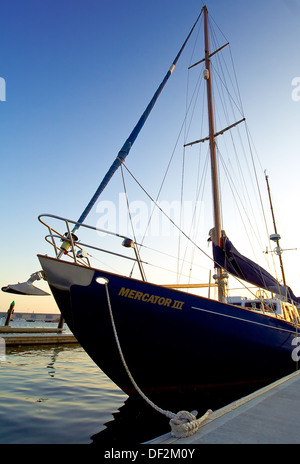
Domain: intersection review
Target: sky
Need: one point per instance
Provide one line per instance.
(79, 73)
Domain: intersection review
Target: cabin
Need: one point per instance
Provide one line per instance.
(271, 307)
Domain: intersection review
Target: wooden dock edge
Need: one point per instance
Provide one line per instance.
(39, 340)
(10, 330)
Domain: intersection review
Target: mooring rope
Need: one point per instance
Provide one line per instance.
(184, 423)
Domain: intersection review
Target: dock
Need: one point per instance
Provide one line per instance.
(39, 339)
(267, 416)
(11, 330)
(19, 336)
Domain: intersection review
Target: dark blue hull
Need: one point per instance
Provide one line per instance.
(171, 341)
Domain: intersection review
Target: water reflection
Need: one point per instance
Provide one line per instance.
(134, 423)
(137, 422)
(39, 350)
(61, 396)
(53, 394)
(53, 358)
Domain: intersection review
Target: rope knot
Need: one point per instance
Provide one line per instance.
(185, 424)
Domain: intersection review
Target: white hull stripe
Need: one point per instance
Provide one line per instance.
(243, 320)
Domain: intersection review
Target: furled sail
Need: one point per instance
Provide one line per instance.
(243, 268)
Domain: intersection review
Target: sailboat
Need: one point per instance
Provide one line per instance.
(165, 336)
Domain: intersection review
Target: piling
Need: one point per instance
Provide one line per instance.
(10, 313)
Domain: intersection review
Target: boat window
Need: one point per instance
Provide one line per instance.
(253, 305)
(267, 306)
(270, 307)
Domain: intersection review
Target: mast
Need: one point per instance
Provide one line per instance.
(276, 236)
(217, 236)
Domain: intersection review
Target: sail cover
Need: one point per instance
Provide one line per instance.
(243, 268)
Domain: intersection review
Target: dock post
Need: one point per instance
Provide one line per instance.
(60, 323)
(10, 313)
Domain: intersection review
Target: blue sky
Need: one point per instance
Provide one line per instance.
(78, 75)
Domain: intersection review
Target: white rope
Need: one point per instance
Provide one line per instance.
(184, 423)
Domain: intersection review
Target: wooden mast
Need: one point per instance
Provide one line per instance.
(217, 236)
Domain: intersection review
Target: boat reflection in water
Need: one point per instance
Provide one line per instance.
(137, 422)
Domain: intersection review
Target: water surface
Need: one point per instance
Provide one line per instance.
(55, 394)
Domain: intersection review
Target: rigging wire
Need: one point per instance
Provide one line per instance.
(224, 92)
(260, 196)
(239, 106)
(181, 231)
(183, 128)
(131, 222)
